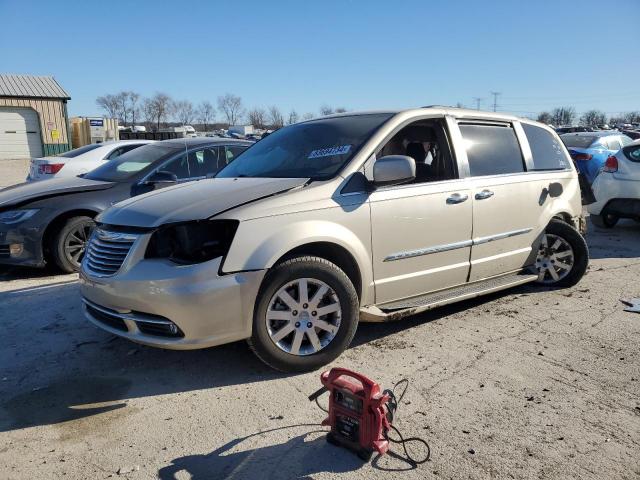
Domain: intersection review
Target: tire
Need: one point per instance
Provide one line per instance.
(269, 340)
(606, 220)
(572, 250)
(73, 233)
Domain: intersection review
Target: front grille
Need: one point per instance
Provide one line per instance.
(104, 316)
(4, 251)
(107, 251)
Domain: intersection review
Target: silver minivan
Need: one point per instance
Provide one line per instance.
(355, 217)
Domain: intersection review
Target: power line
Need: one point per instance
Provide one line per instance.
(477, 100)
(495, 100)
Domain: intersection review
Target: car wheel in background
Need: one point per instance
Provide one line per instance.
(606, 220)
(563, 255)
(306, 315)
(70, 242)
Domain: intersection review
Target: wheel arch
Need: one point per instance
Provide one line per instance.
(334, 253)
(56, 223)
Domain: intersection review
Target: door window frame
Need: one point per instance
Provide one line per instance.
(367, 167)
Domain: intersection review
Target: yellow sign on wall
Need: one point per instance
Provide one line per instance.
(55, 134)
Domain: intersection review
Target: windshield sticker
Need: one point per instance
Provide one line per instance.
(330, 152)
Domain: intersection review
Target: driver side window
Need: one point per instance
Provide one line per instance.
(426, 142)
(179, 167)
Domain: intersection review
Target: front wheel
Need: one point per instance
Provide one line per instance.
(563, 255)
(306, 315)
(70, 243)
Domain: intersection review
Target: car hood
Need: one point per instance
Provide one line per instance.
(194, 200)
(28, 192)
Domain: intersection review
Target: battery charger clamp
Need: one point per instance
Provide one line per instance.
(360, 415)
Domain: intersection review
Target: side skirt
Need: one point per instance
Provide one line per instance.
(397, 310)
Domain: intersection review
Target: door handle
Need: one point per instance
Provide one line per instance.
(457, 198)
(484, 194)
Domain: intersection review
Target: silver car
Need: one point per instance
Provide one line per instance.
(325, 223)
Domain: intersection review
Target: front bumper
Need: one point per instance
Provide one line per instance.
(29, 236)
(207, 308)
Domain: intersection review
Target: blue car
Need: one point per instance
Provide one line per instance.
(590, 150)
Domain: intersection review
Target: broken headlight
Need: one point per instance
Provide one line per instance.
(192, 242)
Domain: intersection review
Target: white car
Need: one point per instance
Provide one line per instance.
(617, 188)
(80, 160)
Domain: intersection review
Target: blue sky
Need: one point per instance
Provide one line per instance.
(356, 54)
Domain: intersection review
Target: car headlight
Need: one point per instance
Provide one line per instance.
(193, 242)
(16, 216)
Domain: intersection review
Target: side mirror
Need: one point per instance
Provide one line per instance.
(394, 170)
(161, 176)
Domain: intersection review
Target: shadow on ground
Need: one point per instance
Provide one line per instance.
(300, 456)
(622, 241)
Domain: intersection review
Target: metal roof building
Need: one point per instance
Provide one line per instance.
(33, 117)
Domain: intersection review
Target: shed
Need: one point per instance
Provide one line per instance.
(33, 117)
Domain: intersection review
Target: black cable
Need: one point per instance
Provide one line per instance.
(320, 406)
(403, 441)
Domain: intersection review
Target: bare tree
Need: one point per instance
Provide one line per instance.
(206, 113)
(275, 117)
(133, 106)
(110, 104)
(631, 117)
(592, 118)
(545, 117)
(340, 110)
(307, 116)
(231, 106)
(563, 115)
(326, 110)
(157, 108)
(184, 112)
(257, 117)
(293, 117)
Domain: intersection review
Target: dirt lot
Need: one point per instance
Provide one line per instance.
(529, 383)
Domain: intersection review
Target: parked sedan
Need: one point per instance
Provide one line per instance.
(617, 188)
(50, 222)
(80, 160)
(590, 150)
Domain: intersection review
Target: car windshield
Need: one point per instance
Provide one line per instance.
(317, 149)
(577, 141)
(79, 151)
(130, 163)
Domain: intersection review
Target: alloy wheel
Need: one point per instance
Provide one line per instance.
(303, 316)
(555, 259)
(75, 243)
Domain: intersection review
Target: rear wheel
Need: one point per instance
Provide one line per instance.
(606, 220)
(563, 255)
(70, 242)
(306, 315)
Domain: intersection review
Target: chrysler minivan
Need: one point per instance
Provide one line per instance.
(354, 217)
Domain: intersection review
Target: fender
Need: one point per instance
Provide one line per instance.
(253, 250)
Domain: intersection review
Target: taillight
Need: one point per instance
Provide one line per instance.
(50, 168)
(611, 165)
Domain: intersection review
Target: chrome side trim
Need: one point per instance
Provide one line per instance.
(426, 251)
(501, 236)
(135, 317)
(454, 246)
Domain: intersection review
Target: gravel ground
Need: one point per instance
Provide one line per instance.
(529, 383)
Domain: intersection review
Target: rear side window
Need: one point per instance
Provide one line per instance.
(548, 153)
(577, 141)
(491, 149)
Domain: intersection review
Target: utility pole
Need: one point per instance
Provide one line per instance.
(495, 100)
(477, 100)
